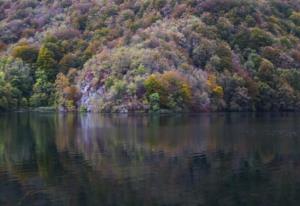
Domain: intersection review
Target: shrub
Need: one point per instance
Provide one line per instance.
(214, 87)
(203, 52)
(254, 38)
(4, 105)
(79, 21)
(224, 52)
(140, 70)
(218, 90)
(71, 93)
(83, 109)
(2, 46)
(225, 28)
(109, 82)
(292, 76)
(253, 61)
(66, 94)
(17, 74)
(25, 52)
(66, 34)
(266, 70)
(260, 38)
(240, 100)
(132, 88)
(265, 96)
(295, 17)
(272, 54)
(296, 56)
(118, 89)
(67, 62)
(55, 47)
(173, 89)
(38, 100)
(154, 101)
(154, 85)
(43, 91)
(69, 105)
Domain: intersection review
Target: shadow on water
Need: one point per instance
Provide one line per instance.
(209, 159)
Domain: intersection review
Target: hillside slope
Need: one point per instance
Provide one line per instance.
(150, 55)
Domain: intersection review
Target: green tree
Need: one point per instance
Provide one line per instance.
(47, 64)
(43, 91)
(18, 75)
(15, 83)
(266, 70)
(154, 102)
(260, 38)
(224, 52)
(254, 38)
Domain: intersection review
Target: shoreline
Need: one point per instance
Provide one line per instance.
(163, 112)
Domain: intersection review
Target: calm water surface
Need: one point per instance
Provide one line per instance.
(201, 160)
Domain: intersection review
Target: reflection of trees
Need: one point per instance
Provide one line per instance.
(126, 160)
(19, 148)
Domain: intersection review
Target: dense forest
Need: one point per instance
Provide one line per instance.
(150, 55)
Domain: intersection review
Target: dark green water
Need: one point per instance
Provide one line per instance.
(201, 160)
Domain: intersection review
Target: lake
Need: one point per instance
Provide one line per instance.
(119, 160)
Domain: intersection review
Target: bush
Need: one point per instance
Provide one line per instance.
(154, 101)
(203, 52)
(118, 89)
(214, 87)
(43, 91)
(38, 100)
(25, 52)
(272, 54)
(66, 95)
(266, 96)
(17, 74)
(4, 105)
(154, 85)
(260, 38)
(266, 70)
(292, 76)
(15, 83)
(225, 28)
(67, 62)
(253, 62)
(224, 52)
(295, 17)
(132, 88)
(254, 38)
(173, 89)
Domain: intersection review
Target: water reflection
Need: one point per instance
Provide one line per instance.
(217, 159)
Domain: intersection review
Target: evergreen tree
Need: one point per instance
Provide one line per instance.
(47, 64)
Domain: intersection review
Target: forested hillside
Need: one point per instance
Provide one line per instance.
(150, 55)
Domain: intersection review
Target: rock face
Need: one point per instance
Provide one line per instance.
(91, 95)
(90, 98)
